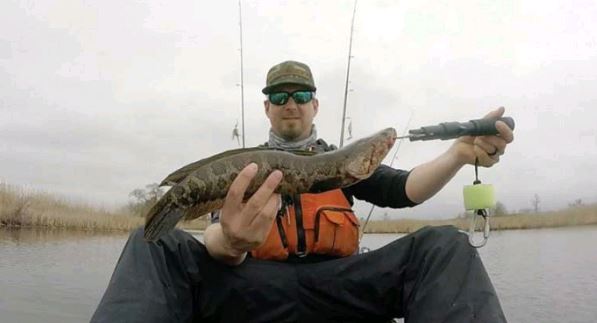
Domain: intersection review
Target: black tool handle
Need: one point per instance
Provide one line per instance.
(451, 130)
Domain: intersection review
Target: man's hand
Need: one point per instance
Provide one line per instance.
(487, 149)
(427, 179)
(244, 226)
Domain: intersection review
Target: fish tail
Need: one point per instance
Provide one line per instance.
(162, 218)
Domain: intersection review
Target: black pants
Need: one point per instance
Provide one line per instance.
(432, 275)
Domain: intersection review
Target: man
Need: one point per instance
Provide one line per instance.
(266, 261)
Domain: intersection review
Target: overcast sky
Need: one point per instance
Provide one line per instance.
(98, 98)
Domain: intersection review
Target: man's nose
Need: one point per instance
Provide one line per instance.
(290, 105)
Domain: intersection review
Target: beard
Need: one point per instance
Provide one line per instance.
(291, 130)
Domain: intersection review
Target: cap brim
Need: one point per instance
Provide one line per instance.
(269, 89)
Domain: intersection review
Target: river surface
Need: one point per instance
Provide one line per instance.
(547, 275)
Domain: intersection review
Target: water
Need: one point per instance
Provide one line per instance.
(547, 275)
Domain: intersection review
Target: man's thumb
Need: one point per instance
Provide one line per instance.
(497, 113)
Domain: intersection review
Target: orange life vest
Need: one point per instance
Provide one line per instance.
(322, 223)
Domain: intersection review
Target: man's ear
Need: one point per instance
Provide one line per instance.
(266, 107)
(315, 106)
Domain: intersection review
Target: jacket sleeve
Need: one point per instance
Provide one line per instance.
(386, 187)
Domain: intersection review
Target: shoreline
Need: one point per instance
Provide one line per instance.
(574, 216)
(21, 209)
(577, 217)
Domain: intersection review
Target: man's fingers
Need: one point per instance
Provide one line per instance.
(505, 132)
(491, 143)
(266, 217)
(489, 149)
(256, 203)
(237, 189)
(484, 158)
(485, 146)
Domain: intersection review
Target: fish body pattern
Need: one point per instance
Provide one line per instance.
(201, 187)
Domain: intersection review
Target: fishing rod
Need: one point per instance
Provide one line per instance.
(242, 83)
(452, 130)
(354, 10)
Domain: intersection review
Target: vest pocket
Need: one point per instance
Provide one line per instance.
(336, 232)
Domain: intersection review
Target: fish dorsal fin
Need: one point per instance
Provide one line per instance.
(178, 175)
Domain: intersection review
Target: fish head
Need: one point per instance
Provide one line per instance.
(366, 154)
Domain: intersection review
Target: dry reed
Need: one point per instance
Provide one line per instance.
(19, 208)
(582, 215)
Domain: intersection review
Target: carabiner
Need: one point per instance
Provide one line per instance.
(486, 229)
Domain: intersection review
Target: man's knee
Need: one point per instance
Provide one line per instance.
(176, 235)
(430, 237)
(439, 232)
(137, 234)
(443, 236)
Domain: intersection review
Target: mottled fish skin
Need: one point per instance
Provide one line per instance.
(201, 187)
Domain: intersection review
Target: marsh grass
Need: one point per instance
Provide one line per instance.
(21, 208)
(581, 215)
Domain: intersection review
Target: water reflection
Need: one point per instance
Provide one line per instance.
(19, 236)
(54, 275)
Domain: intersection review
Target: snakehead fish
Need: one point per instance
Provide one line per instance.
(201, 187)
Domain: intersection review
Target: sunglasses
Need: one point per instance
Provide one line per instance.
(300, 97)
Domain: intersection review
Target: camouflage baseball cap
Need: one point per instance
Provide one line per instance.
(289, 72)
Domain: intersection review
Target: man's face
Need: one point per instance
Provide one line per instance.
(291, 121)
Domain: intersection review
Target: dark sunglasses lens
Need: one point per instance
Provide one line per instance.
(278, 98)
(301, 97)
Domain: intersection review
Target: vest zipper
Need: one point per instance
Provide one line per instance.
(300, 230)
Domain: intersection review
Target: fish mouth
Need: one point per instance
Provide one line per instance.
(372, 161)
(380, 150)
(374, 151)
(390, 142)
